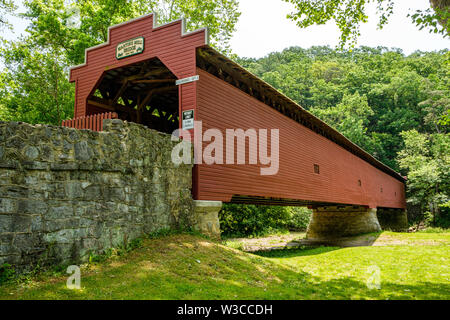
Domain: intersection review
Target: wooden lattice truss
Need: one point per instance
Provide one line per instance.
(143, 93)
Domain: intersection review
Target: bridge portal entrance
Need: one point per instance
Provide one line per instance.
(143, 93)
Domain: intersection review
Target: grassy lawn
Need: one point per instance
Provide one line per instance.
(189, 267)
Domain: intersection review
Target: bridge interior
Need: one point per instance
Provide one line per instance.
(143, 93)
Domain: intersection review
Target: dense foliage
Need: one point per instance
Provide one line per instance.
(427, 159)
(257, 220)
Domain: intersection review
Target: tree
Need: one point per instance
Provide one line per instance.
(435, 107)
(35, 87)
(426, 157)
(84, 23)
(350, 117)
(6, 7)
(349, 14)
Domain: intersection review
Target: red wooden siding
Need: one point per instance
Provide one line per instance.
(222, 106)
(175, 50)
(335, 179)
(93, 122)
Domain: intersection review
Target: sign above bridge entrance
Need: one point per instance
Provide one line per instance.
(130, 48)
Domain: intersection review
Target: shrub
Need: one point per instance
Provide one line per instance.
(299, 219)
(257, 220)
(443, 218)
(434, 230)
(7, 273)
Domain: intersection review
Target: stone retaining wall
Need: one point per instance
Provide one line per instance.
(65, 193)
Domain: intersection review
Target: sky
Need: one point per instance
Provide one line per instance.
(263, 28)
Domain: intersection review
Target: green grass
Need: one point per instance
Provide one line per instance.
(191, 267)
(433, 230)
(417, 237)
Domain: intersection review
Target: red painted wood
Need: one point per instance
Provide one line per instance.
(167, 43)
(222, 106)
(93, 122)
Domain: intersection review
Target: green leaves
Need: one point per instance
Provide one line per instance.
(350, 117)
(83, 24)
(436, 20)
(220, 16)
(427, 159)
(350, 14)
(6, 7)
(35, 88)
(255, 220)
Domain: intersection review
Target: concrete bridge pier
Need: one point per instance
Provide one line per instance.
(393, 219)
(206, 217)
(331, 222)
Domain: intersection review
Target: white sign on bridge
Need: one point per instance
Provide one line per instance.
(187, 80)
(130, 48)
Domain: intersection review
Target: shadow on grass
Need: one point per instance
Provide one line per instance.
(362, 240)
(309, 247)
(295, 252)
(187, 267)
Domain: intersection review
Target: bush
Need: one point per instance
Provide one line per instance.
(255, 220)
(442, 220)
(434, 230)
(299, 219)
(7, 273)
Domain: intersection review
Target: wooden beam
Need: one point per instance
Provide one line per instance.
(105, 104)
(154, 81)
(157, 90)
(120, 92)
(148, 74)
(104, 93)
(142, 104)
(163, 89)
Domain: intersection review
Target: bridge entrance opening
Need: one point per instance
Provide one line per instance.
(143, 93)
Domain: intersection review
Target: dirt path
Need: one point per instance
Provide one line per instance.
(269, 243)
(297, 239)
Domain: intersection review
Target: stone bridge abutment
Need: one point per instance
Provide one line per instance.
(327, 222)
(331, 222)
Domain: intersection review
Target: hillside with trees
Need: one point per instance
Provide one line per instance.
(394, 106)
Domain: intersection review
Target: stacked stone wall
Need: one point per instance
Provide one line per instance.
(67, 193)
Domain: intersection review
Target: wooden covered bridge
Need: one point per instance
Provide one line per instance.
(161, 75)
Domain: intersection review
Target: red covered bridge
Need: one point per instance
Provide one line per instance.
(152, 74)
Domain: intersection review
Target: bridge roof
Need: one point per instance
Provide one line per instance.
(223, 67)
(210, 60)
